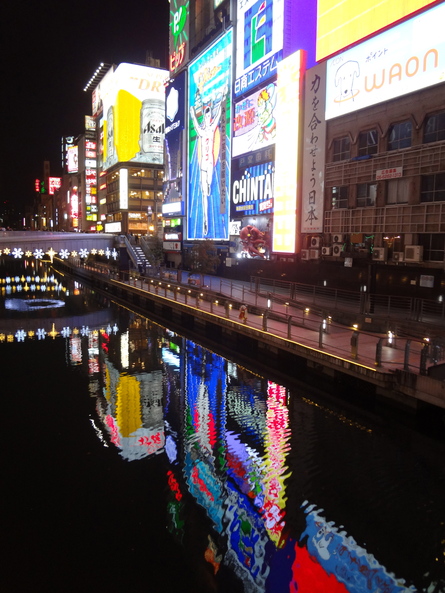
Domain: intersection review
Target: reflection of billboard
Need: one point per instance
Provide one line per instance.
(252, 190)
(339, 24)
(72, 159)
(179, 34)
(134, 111)
(209, 142)
(254, 124)
(341, 557)
(399, 61)
(287, 154)
(259, 41)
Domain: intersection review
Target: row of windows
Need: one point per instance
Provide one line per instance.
(432, 189)
(399, 136)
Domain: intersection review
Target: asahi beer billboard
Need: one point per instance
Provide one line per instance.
(134, 116)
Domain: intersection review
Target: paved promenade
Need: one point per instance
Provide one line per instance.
(295, 322)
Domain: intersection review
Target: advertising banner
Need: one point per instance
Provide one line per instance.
(179, 34)
(254, 124)
(340, 24)
(287, 154)
(209, 142)
(134, 112)
(175, 145)
(252, 190)
(402, 60)
(314, 141)
(73, 158)
(259, 42)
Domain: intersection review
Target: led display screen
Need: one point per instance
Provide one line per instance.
(401, 60)
(254, 123)
(340, 24)
(209, 142)
(134, 116)
(259, 41)
(287, 154)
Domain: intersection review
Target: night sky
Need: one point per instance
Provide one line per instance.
(49, 51)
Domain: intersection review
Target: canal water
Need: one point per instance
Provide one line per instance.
(134, 459)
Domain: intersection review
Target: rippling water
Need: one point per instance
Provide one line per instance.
(135, 459)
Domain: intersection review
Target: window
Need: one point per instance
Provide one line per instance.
(433, 188)
(397, 191)
(400, 135)
(434, 128)
(339, 197)
(433, 246)
(368, 143)
(366, 194)
(341, 149)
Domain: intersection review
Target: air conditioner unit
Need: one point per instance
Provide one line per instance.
(326, 251)
(413, 253)
(315, 242)
(337, 249)
(337, 238)
(379, 254)
(305, 254)
(314, 254)
(398, 256)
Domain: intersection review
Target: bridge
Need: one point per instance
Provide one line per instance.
(19, 244)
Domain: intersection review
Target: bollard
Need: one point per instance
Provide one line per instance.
(406, 359)
(320, 335)
(289, 327)
(378, 353)
(424, 359)
(354, 344)
(265, 315)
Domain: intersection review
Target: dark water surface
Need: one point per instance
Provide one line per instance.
(136, 460)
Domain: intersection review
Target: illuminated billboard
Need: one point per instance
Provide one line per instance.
(340, 24)
(102, 89)
(287, 154)
(314, 142)
(254, 124)
(209, 142)
(72, 158)
(401, 60)
(252, 190)
(259, 41)
(134, 112)
(175, 148)
(54, 184)
(179, 34)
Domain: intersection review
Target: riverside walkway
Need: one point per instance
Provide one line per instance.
(406, 367)
(291, 321)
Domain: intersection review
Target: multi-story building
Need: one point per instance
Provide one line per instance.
(333, 156)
